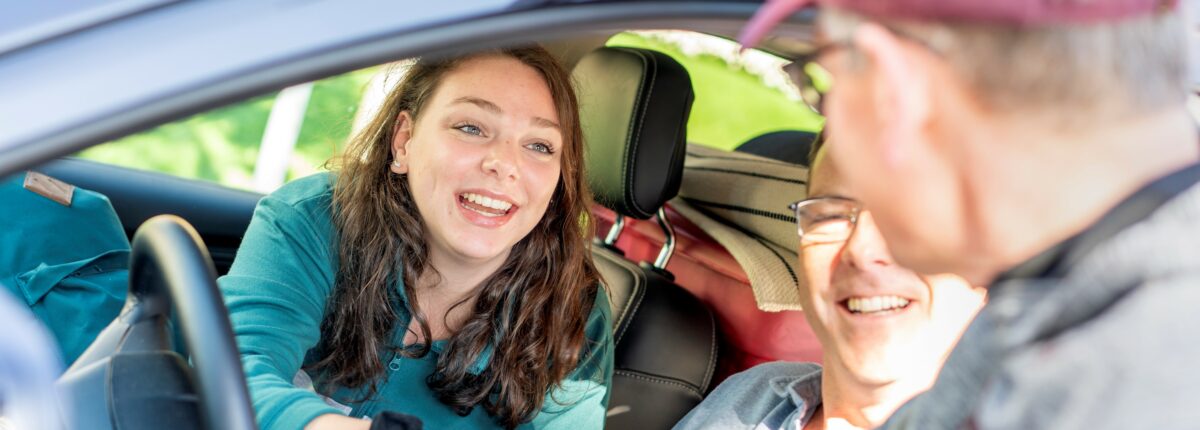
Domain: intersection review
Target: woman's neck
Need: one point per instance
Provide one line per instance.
(446, 299)
(458, 277)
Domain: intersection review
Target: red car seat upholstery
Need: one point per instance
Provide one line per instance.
(749, 336)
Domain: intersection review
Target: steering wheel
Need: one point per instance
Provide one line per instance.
(132, 366)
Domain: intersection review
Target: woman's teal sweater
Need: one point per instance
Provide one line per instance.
(277, 291)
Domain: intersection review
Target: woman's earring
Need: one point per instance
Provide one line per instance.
(398, 168)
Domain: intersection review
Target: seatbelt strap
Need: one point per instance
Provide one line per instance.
(1132, 210)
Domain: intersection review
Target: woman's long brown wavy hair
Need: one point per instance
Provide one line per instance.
(533, 310)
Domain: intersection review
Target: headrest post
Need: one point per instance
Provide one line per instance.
(614, 232)
(668, 249)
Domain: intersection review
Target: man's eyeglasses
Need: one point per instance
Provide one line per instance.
(815, 81)
(826, 219)
(812, 79)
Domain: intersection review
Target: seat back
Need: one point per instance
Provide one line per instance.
(791, 146)
(634, 106)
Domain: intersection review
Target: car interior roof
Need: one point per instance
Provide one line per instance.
(160, 98)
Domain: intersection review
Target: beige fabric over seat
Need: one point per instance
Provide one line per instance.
(741, 201)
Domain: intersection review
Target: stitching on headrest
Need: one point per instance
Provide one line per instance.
(626, 171)
(649, 62)
(678, 153)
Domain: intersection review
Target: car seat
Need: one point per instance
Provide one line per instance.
(791, 146)
(634, 106)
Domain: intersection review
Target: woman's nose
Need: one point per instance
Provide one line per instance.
(500, 161)
(866, 248)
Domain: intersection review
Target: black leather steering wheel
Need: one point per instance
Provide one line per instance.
(170, 269)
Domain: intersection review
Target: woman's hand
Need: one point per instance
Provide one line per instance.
(337, 422)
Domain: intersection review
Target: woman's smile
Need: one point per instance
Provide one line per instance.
(486, 209)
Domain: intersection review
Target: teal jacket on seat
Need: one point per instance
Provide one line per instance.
(277, 291)
(69, 263)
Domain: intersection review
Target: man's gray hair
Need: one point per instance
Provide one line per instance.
(1137, 65)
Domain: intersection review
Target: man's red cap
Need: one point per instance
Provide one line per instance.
(1020, 12)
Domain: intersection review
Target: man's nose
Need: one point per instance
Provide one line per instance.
(866, 248)
(500, 160)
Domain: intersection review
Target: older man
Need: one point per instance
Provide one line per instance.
(1043, 148)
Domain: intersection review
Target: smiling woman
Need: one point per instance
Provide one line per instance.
(440, 267)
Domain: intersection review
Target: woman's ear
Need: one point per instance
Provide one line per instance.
(401, 136)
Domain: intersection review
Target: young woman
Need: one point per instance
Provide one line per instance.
(442, 270)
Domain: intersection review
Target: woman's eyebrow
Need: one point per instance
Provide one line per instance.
(495, 109)
(543, 122)
(483, 104)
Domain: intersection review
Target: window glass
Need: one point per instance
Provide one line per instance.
(738, 95)
(223, 145)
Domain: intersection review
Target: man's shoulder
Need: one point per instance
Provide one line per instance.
(1110, 346)
(745, 399)
(1132, 366)
(778, 371)
(1139, 282)
(1153, 315)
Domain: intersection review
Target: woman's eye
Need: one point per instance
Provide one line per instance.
(541, 147)
(469, 129)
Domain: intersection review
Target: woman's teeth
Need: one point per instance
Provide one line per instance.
(486, 205)
(865, 305)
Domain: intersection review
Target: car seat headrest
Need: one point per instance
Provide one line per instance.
(634, 106)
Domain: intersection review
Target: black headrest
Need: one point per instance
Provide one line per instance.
(634, 106)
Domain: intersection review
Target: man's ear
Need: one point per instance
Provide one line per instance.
(903, 89)
(401, 135)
